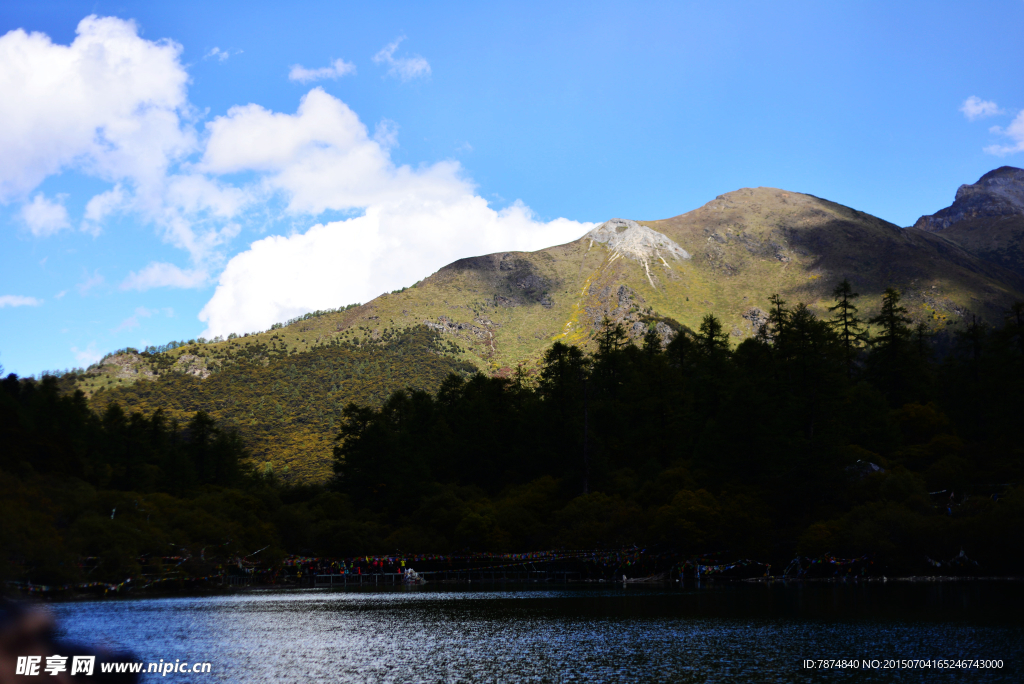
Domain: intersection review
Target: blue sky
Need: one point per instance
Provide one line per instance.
(178, 169)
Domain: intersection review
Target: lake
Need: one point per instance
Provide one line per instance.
(571, 633)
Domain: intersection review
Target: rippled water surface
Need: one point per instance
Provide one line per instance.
(734, 633)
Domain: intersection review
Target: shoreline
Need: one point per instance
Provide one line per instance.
(65, 596)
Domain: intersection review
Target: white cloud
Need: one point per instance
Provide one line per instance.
(337, 69)
(389, 247)
(320, 158)
(976, 108)
(218, 54)
(45, 217)
(413, 222)
(109, 103)
(385, 134)
(100, 206)
(113, 106)
(129, 323)
(1015, 132)
(405, 68)
(159, 274)
(18, 300)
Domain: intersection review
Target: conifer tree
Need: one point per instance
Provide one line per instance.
(774, 329)
(652, 342)
(611, 338)
(891, 364)
(712, 340)
(846, 322)
(893, 321)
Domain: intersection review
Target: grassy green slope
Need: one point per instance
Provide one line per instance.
(499, 310)
(504, 309)
(287, 408)
(745, 246)
(749, 244)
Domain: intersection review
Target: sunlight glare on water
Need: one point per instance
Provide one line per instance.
(640, 634)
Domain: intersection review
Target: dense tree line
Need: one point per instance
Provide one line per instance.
(810, 438)
(176, 467)
(113, 487)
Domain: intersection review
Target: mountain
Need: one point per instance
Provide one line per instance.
(727, 258)
(497, 311)
(986, 218)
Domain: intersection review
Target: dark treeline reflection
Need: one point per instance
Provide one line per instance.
(807, 439)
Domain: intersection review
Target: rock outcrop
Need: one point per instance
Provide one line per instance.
(123, 366)
(986, 218)
(997, 194)
(639, 243)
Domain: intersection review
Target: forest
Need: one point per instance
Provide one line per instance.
(286, 405)
(811, 438)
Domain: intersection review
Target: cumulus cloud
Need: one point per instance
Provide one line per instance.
(413, 221)
(319, 158)
(1015, 132)
(976, 108)
(18, 300)
(113, 106)
(337, 69)
(404, 68)
(390, 246)
(160, 274)
(108, 103)
(45, 217)
(385, 134)
(322, 157)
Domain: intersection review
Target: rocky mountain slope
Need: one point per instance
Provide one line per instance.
(727, 258)
(500, 310)
(986, 218)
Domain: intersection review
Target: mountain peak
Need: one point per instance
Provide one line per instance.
(986, 218)
(996, 194)
(999, 192)
(1011, 172)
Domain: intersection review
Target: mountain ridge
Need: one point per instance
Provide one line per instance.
(504, 308)
(986, 218)
(498, 311)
